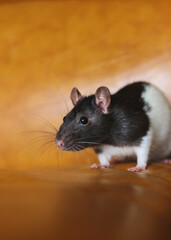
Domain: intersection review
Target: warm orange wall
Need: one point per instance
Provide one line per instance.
(47, 47)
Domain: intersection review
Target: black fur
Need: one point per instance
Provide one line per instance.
(124, 125)
(98, 149)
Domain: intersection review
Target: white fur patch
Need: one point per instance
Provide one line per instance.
(118, 151)
(160, 122)
(109, 151)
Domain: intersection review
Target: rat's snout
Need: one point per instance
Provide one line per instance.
(59, 143)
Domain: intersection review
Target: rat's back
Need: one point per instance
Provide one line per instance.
(159, 114)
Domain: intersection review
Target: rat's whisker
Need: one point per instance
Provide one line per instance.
(51, 148)
(51, 144)
(70, 146)
(75, 148)
(85, 138)
(64, 101)
(39, 131)
(43, 137)
(79, 147)
(41, 140)
(95, 143)
(46, 122)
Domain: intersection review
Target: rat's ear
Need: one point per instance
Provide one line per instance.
(75, 96)
(103, 98)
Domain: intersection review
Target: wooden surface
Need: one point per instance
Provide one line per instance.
(78, 203)
(46, 48)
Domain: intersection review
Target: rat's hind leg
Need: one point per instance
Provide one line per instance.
(142, 153)
(166, 161)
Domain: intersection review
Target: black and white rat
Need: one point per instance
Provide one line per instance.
(135, 121)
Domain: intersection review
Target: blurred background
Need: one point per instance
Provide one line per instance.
(46, 49)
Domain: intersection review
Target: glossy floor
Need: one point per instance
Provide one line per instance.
(80, 203)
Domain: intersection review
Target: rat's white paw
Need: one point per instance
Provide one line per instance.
(98, 166)
(166, 161)
(136, 169)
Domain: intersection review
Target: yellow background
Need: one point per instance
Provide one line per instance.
(48, 47)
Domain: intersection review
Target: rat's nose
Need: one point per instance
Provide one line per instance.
(59, 143)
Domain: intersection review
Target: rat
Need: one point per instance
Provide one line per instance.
(134, 121)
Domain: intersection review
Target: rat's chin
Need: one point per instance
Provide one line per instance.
(73, 149)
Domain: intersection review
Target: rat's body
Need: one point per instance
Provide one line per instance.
(135, 121)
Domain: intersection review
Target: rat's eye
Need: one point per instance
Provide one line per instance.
(83, 120)
(64, 119)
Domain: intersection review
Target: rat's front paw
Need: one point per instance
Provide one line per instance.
(98, 166)
(136, 169)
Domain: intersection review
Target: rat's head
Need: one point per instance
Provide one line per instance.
(87, 123)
